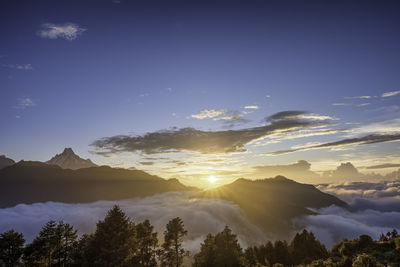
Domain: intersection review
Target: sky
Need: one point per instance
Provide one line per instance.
(200, 89)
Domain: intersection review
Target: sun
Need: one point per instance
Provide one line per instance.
(212, 179)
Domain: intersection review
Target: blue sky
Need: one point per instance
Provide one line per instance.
(72, 72)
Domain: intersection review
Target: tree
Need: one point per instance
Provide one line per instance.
(364, 260)
(282, 253)
(222, 249)
(172, 252)
(54, 245)
(306, 248)
(147, 243)
(114, 241)
(11, 247)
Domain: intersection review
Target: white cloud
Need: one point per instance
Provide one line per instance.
(252, 107)
(68, 31)
(359, 97)
(19, 66)
(209, 113)
(393, 93)
(25, 102)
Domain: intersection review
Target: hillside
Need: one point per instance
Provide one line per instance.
(272, 203)
(30, 181)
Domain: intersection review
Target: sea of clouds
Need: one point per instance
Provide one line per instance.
(374, 208)
(200, 216)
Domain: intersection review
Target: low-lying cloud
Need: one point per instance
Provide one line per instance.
(200, 216)
(371, 217)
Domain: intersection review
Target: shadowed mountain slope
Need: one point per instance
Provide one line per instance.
(272, 203)
(4, 161)
(30, 181)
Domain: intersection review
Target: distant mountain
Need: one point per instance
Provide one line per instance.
(4, 161)
(272, 203)
(32, 181)
(69, 160)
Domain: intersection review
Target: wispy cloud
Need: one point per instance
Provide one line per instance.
(368, 139)
(252, 107)
(18, 66)
(392, 93)
(67, 31)
(209, 113)
(359, 97)
(25, 102)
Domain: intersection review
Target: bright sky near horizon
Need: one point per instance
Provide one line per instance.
(200, 89)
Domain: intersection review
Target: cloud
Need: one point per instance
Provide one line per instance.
(382, 166)
(209, 113)
(200, 216)
(252, 107)
(67, 31)
(365, 140)
(359, 97)
(206, 142)
(19, 66)
(389, 94)
(349, 191)
(333, 224)
(374, 209)
(25, 102)
(299, 170)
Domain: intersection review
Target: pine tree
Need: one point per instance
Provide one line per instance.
(172, 252)
(114, 240)
(11, 248)
(147, 245)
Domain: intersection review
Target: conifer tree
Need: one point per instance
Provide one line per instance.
(172, 251)
(11, 248)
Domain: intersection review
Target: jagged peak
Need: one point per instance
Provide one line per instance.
(68, 151)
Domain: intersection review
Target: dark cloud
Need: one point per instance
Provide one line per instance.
(285, 115)
(368, 139)
(382, 166)
(147, 163)
(190, 139)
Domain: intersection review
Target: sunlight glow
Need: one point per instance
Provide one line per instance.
(212, 179)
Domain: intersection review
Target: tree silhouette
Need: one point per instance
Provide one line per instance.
(114, 241)
(222, 249)
(11, 248)
(147, 245)
(306, 248)
(54, 246)
(172, 251)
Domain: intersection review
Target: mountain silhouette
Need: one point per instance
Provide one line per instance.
(32, 181)
(4, 161)
(69, 160)
(273, 203)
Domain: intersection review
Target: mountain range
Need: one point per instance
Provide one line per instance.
(270, 203)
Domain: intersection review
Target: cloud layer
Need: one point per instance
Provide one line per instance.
(190, 139)
(200, 216)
